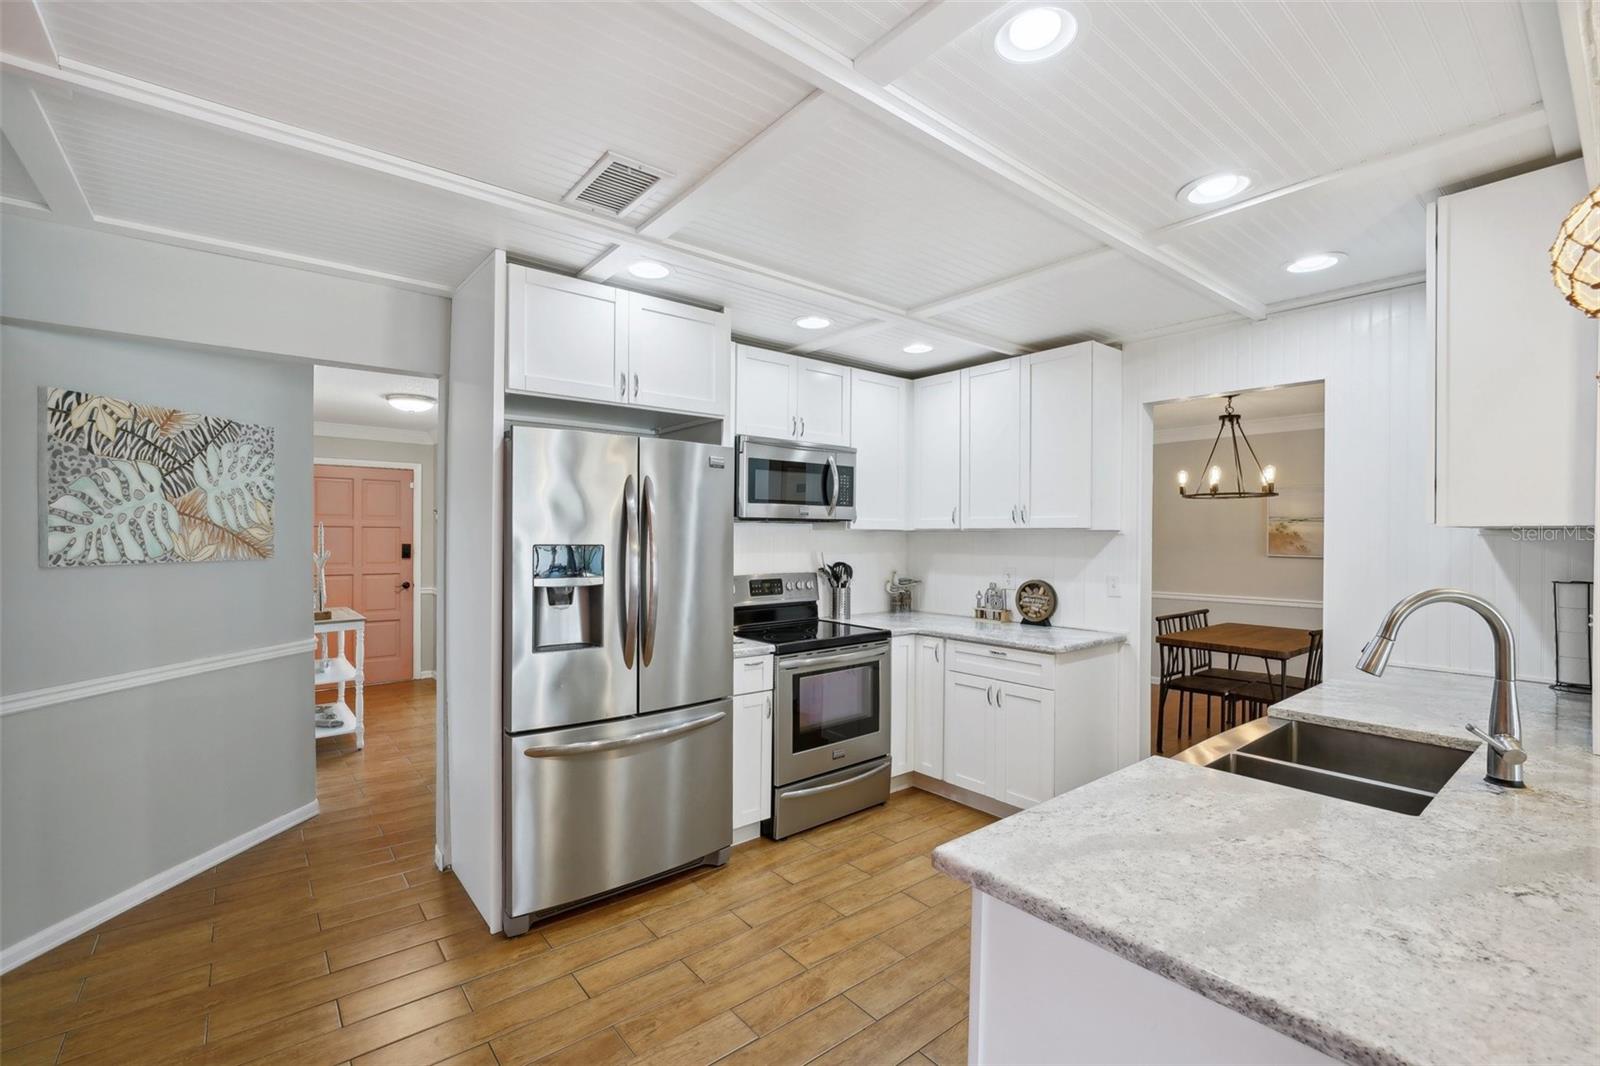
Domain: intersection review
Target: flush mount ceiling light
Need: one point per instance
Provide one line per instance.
(1214, 188)
(917, 349)
(813, 322)
(410, 402)
(1035, 33)
(1575, 257)
(648, 269)
(1310, 264)
(1267, 475)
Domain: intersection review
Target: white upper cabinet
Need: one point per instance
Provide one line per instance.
(822, 401)
(1072, 438)
(677, 356)
(991, 453)
(578, 340)
(566, 336)
(880, 428)
(792, 398)
(935, 452)
(1514, 403)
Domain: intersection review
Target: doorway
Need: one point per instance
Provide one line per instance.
(367, 514)
(1243, 563)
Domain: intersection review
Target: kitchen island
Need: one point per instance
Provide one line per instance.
(1172, 912)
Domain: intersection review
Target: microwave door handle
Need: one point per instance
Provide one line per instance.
(833, 485)
(651, 573)
(630, 571)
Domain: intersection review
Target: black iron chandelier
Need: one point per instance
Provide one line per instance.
(1268, 474)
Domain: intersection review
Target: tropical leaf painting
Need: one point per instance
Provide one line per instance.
(127, 482)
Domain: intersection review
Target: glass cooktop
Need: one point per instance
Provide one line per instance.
(811, 634)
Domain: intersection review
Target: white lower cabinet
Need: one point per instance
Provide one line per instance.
(902, 680)
(1024, 744)
(968, 732)
(752, 758)
(927, 707)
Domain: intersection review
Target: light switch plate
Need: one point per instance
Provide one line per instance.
(1113, 585)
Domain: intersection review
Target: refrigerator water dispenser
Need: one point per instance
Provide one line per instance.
(568, 596)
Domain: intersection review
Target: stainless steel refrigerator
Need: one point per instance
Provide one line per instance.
(618, 664)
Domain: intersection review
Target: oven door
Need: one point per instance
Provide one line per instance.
(785, 481)
(832, 711)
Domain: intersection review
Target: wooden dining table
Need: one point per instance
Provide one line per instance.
(1270, 644)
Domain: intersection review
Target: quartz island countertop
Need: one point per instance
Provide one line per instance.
(1469, 933)
(1050, 640)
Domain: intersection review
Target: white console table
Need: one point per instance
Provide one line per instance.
(332, 668)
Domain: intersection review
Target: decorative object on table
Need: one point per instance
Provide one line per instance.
(1574, 602)
(1294, 524)
(991, 605)
(125, 482)
(1232, 424)
(1575, 256)
(899, 590)
(319, 585)
(1036, 602)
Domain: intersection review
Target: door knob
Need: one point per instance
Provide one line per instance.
(405, 585)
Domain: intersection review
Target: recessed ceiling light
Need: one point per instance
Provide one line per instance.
(410, 402)
(648, 269)
(1310, 264)
(917, 349)
(1035, 33)
(1214, 188)
(813, 322)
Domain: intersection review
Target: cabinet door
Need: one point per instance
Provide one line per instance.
(902, 677)
(750, 754)
(880, 407)
(1058, 420)
(991, 451)
(677, 356)
(1024, 744)
(764, 406)
(566, 337)
(936, 452)
(927, 708)
(822, 401)
(968, 733)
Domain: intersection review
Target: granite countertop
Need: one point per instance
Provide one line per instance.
(1051, 640)
(743, 647)
(1470, 933)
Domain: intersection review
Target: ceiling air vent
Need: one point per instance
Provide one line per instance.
(613, 184)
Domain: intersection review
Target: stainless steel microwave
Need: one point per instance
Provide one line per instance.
(787, 481)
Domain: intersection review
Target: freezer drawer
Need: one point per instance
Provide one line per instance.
(809, 803)
(596, 808)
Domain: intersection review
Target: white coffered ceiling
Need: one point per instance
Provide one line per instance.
(875, 163)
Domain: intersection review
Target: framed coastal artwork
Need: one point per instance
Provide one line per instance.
(1294, 524)
(130, 483)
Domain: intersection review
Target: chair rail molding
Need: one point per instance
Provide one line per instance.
(1251, 601)
(155, 675)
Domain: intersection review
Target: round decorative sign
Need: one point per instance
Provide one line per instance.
(1036, 601)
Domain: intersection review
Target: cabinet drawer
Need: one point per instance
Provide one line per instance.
(753, 673)
(1002, 664)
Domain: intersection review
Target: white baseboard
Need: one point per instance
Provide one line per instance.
(438, 859)
(78, 924)
(423, 675)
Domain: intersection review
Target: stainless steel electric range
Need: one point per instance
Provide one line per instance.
(830, 700)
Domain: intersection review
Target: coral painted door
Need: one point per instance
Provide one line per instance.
(366, 515)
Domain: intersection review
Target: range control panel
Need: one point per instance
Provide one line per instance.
(749, 589)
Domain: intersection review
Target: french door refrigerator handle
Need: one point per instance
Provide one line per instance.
(630, 581)
(652, 578)
(584, 747)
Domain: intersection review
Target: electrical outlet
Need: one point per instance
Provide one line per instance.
(1008, 578)
(1113, 585)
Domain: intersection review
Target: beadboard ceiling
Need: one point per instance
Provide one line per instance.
(875, 163)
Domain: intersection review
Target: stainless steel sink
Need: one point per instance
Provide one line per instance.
(1385, 772)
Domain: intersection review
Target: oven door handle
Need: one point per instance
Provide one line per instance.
(818, 789)
(827, 658)
(586, 747)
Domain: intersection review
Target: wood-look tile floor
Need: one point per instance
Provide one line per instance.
(339, 942)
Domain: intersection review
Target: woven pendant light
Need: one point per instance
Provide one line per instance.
(1575, 257)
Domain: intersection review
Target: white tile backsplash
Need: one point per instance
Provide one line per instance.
(767, 547)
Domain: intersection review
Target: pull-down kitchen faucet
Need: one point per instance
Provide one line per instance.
(1504, 738)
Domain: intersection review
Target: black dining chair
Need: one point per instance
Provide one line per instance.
(1190, 672)
(1256, 696)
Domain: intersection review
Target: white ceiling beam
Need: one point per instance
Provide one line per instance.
(27, 127)
(81, 77)
(931, 27)
(606, 264)
(958, 300)
(1458, 142)
(839, 336)
(1543, 23)
(23, 29)
(761, 154)
(764, 32)
(1578, 40)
